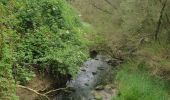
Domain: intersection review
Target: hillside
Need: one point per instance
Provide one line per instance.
(44, 43)
(38, 36)
(137, 32)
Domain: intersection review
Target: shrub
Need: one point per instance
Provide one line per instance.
(45, 33)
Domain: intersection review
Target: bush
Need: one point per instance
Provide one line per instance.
(45, 33)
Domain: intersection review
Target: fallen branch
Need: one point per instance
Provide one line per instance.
(51, 91)
(34, 91)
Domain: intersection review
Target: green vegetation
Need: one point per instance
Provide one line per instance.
(138, 32)
(136, 83)
(147, 36)
(45, 35)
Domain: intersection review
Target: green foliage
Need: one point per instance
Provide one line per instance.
(51, 36)
(43, 33)
(7, 87)
(23, 75)
(136, 83)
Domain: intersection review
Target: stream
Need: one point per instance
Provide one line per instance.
(91, 74)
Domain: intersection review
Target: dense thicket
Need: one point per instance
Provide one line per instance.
(38, 34)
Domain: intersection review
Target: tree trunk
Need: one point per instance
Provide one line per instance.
(160, 20)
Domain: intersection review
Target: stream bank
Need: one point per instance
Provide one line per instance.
(91, 83)
(93, 64)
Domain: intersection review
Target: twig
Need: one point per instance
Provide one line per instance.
(34, 91)
(108, 2)
(103, 10)
(51, 91)
(165, 13)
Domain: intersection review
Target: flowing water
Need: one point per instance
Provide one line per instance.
(92, 73)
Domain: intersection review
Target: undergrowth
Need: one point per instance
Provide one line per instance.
(157, 55)
(46, 35)
(129, 32)
(136, 83)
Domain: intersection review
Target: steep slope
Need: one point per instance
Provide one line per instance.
(44, 36)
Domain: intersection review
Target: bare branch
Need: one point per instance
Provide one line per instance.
(159, 21)
(51, 91)
(108, 2)
(167, 17)
(34, 91)
(103, 10)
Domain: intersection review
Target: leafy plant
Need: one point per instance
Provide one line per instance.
(45, 33)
